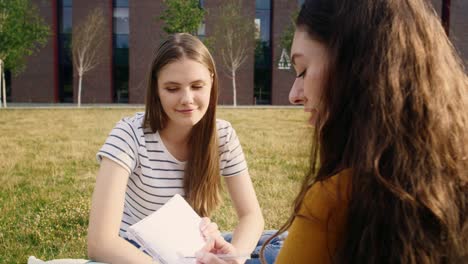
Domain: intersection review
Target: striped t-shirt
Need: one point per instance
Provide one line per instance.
(154, 174)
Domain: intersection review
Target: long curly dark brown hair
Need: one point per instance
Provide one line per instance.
(396, 113)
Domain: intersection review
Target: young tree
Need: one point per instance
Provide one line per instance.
(234, 37)
(22, 32)
(2, 85)
(86, 45)
(182, 16)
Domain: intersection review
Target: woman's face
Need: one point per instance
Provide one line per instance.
(310, 59)
(184, 88)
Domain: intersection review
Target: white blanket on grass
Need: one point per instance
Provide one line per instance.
(34, 260)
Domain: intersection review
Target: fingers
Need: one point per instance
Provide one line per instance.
(208, 228)
(208, 258)
(204, 221)
(222, 246)
(218, 245)
(209, 246)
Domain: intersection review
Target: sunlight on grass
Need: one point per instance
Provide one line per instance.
(48, 168)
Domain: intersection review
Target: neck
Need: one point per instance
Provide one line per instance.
(176, 135)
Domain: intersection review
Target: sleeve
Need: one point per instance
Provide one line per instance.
(315, 232)
(121, 146)
(232, 157)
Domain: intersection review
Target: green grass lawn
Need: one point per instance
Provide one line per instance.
(48, 169)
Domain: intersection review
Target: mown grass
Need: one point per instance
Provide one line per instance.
(48, 168)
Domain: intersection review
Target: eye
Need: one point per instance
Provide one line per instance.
(172, 89)
(197, 86)
(302, 74)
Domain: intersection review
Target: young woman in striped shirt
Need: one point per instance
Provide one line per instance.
(176, 147)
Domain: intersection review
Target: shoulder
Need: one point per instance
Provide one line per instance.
(334, 188)
(320, 223)
(224, 129)
(324, 198)
(131, 123)
(134, 121)
(223, 125)
(130, 128)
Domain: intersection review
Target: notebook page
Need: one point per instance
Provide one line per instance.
(171, 231)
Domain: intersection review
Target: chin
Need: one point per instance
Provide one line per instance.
(190, 122)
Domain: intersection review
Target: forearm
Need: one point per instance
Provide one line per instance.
(248, 231)
(117, 250)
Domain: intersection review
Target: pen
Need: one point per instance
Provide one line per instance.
(226, 256)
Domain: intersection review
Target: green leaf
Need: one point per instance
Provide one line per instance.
(182, 16)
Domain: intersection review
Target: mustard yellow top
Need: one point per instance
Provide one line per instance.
(315, 232)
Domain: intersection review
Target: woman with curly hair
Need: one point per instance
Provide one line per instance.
(387, 95)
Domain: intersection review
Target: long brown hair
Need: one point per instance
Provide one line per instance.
(202, 176)
(396, 113)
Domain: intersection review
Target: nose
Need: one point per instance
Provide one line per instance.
(187, 96)
(296, 95)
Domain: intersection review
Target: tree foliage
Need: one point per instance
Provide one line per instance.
(22, 32)
(182, 16)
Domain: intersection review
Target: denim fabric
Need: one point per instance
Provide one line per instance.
(271, 250)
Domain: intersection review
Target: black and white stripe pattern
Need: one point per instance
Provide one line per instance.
(154, 174)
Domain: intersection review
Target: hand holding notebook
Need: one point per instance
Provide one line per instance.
(170, 233)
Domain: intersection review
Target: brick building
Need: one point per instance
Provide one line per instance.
(134, 31)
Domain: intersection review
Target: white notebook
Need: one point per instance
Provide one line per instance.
(170, 233)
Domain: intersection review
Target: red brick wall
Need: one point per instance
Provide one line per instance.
(97, 83)
(245, 74)
(145, 39)
(37, 82)
(282, 80)
(145, 35)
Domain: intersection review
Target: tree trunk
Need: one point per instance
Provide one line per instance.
(234, 92)
(1, 82)
(80, 79)
(4, 88)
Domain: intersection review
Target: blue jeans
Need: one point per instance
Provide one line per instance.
(271, 250)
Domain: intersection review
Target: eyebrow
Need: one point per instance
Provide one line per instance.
(294, 56)
(176, 83)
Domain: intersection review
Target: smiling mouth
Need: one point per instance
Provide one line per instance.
(186, 111)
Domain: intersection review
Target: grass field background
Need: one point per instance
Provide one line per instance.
(48, 170)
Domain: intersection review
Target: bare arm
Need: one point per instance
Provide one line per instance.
(251, 223)
(104, 243)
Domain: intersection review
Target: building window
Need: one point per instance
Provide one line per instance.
(201, 30)
(262, 76)
(263, 4)
(65, 23)
(121, 31)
